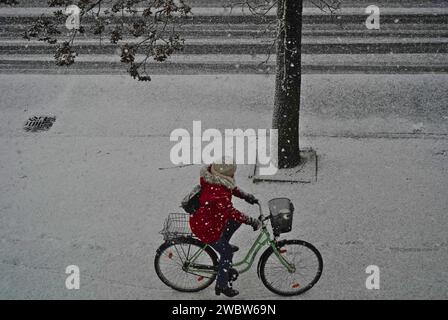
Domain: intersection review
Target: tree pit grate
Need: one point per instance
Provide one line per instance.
(39, 123)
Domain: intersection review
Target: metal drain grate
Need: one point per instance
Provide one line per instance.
(39, 123)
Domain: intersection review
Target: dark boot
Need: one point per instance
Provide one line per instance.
(234, 248)
(228, 291)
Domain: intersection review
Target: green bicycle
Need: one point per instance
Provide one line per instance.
(286, 267)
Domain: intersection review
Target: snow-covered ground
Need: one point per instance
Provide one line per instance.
(90, 191)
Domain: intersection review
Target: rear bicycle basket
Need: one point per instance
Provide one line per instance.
(282, 211)
(176, 225)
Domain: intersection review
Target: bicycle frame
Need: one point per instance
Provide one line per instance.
(263, 239)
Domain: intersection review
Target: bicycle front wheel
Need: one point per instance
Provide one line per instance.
(306, 261)
(173, 264)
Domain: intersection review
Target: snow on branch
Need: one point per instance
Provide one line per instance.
(146, 28)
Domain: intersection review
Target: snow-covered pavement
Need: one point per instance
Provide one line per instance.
(90, 192)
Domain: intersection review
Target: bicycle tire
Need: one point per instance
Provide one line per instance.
(300, 289)
(191, 242)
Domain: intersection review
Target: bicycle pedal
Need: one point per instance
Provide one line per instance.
(233, 274)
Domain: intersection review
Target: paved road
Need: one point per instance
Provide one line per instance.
(307, 3)
(408, 30)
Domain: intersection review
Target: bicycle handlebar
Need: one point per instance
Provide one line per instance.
(260, 209)
(261, 217)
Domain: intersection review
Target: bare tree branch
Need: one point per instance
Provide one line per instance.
(147, 21)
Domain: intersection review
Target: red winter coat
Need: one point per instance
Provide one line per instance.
(215, 210)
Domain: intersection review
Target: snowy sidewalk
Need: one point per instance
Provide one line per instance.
(113, 106)
(90, 192)
(99, 203)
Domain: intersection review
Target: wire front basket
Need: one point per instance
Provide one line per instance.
(282, 211)
(176, 225)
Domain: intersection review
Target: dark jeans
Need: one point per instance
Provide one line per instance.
(226, 253)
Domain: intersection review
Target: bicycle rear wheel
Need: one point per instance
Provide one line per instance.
(172, 260)
(308, 265)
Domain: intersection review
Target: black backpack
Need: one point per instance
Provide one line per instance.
(190, 202)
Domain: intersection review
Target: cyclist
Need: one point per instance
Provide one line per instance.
(216, 220)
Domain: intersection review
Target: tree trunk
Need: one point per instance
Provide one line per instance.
(287, 82)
